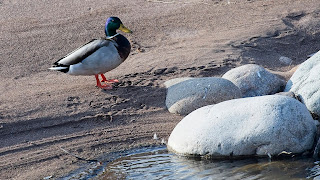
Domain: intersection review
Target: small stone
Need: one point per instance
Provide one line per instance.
(155, 137)
(159, 71)
(285, 60)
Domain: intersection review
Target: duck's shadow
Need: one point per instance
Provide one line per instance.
(129, 97)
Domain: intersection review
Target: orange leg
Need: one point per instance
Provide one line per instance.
(104, 79)
(102, 86)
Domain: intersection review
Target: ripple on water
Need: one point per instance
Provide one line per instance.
(158, 163)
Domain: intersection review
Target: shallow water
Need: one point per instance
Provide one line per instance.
(158, 163)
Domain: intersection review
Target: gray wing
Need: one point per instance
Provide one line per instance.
(82, 52)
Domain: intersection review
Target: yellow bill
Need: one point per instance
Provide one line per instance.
(124, 29)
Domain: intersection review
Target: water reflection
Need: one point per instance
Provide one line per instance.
(160, 164)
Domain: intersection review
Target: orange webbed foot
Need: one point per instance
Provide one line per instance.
(104, 79)
(103, 86)
(111, 81)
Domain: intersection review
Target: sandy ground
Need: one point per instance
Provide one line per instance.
(41, 110)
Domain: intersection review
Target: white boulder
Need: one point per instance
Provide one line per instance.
(265, 125)
(254, 80)
(188, 95)
(305, 83)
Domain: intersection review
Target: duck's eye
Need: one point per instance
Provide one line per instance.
(112, 20)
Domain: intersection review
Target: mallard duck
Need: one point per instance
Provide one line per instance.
(99, 55)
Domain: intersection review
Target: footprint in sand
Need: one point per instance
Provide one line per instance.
(72, 104)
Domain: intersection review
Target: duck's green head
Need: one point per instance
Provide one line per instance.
(114, 23)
